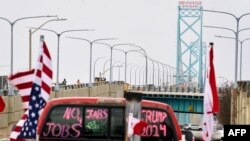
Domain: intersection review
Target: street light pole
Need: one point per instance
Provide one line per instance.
(94, 65)
(140, 75)
(11, 40)
(236, 35)
(105, 65)
(241, 45)
(58, 48)
(163, 71)
(170, 76)
(146, 57)
(119, 71)
(111, 55)
(158, 72)
(153, 78)
(166, 73)
(126, 53)
(125, 80)
(135, 73)
(131, 73)
(118, 65)
(90, 58)
(30, 38)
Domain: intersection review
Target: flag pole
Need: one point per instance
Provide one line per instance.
(133, 107)
(42, 38)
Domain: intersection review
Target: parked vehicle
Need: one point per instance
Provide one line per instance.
(192, 127)
(218, 135)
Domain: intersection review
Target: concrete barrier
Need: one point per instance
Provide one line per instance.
(14, 108)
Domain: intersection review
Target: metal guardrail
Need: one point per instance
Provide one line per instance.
(86, 85)
(171, 89)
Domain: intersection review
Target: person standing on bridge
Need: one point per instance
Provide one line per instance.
(64, 82)
(78, 83)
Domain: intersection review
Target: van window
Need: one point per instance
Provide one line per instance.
(159, 127)
(117, 123)
(96, 122)
(83, 123)
(63, 122)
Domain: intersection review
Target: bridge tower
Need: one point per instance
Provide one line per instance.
(191, 51)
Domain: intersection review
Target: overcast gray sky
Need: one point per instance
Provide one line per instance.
(152, 24)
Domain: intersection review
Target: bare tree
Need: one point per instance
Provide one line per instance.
(225, 105)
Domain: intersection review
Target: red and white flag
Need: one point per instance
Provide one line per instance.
(34, 87)
(135, 126)
(2, 104)
(211, 101)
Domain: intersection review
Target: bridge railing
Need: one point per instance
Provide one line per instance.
(164, 88)
(84, 85)
(171, 89)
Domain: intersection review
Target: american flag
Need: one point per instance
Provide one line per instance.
(38, 96)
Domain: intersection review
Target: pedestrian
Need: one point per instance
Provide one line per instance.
(64, 82)
(78, 83)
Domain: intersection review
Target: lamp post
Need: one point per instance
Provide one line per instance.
(150, 76)
(146, 57)
(118, 66)
(58, 34)
(236, 32)
(140, 76)
(241, 45)
(131, 73)
(163, 72)
(90, 58)
(105, 65)
(126, 53)
(111, 55)
(158, 65)
(153, 73)
(135, 73)
(30, 38)
(167, 82)
(109, 68)
(153, 61)
(119, 71)
(170, 72)
(143, 53)
(11, 41)
(94, 65)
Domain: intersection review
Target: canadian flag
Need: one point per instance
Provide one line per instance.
(2, 104)
(135, 126)
(211, 101)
